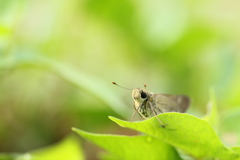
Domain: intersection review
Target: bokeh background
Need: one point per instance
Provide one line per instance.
(58, 59)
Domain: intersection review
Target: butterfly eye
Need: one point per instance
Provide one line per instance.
(143, 95)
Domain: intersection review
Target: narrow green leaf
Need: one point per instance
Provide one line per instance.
(193, 135)
(90, 83)
(132, 147)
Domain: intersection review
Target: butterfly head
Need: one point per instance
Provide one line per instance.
(139, 94)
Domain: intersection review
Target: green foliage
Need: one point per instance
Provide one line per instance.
(175, 47)
(193, 135)
(89, 83)
(132, 147)
(236, 149)
(68, 148)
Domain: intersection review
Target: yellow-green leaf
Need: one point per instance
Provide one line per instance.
(132, 147)
(193, 135)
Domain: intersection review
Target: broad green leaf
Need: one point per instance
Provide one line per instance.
(132, 147)
(212, 112)
(193, 135)
(67, 149)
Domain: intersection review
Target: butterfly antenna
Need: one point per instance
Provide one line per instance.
(121, 86)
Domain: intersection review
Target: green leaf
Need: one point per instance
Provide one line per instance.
(9, 156)
(67, 149)
(93, 85)
(193, 135)
(108, 156)
(236, 149)
(131, 147)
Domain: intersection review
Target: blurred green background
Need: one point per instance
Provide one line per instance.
(58, 59)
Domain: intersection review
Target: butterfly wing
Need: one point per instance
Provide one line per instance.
(170, 103)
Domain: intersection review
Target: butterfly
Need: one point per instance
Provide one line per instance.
(148, 104)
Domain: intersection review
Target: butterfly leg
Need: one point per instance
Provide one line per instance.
(135, 111)
(154, 112)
